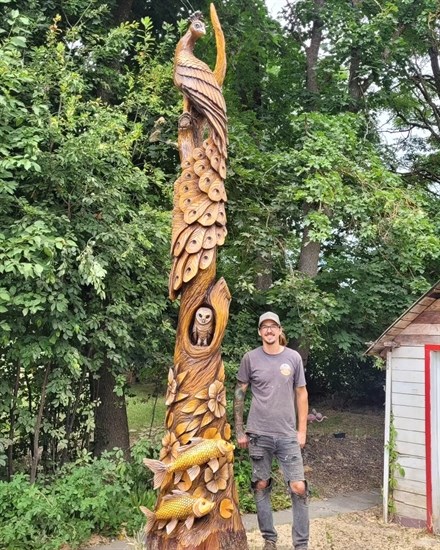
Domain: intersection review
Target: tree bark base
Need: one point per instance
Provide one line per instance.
(220, 540)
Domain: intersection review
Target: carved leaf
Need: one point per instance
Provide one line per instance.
(181, 396)
(193, 472)
(193, 424)
(169, 419)
(170, 398)
(221, 374)
(201, 409)
(221, 484)
(211, 433)
(207, 419)
(227, 432)
(185, 483)
(191, 406)
(203, 394)
(226, 508)
(212, 486)
(199, 492)
(181, 428)
(187, 437)
(171, 526)
(181, 377)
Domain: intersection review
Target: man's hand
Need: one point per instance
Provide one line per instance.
(242, 440)
(301, 436)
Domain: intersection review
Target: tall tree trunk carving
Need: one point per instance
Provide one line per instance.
(196, 393)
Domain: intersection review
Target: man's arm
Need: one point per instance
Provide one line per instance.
(239, 395)
(302, 406)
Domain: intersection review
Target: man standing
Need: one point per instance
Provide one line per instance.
(275, 375)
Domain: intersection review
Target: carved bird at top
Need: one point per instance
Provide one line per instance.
(198, 84)
(199, 216)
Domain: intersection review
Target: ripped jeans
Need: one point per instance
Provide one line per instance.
(262, 449)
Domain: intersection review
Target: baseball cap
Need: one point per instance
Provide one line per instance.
(269, 316)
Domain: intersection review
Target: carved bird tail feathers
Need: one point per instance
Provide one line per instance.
(199, 216)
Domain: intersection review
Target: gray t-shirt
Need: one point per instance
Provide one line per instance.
(272, 379)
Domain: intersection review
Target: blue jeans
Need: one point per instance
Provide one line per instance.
(262, 449)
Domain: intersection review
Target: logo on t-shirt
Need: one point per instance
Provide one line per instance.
(285, 369)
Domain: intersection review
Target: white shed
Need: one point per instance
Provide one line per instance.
(411, 347)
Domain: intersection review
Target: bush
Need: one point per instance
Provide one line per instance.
(78, 502)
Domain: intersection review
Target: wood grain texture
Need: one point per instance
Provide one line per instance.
(196, 396)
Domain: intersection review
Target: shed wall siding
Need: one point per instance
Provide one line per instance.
(408, 409)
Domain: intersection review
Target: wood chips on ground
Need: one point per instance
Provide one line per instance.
(355, 531)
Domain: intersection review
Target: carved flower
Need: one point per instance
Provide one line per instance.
(170, 449)
(217, 481)
(217, 399)
(174, 382)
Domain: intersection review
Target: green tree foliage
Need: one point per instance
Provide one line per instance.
(84, 227)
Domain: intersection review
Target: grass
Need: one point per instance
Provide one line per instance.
(356, 424)
(144, 410)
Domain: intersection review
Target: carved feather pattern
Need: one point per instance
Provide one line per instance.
(197, 82)
(199, 217)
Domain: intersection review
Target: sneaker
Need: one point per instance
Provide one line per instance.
(270, 545)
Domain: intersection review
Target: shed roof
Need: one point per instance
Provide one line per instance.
(419, 306)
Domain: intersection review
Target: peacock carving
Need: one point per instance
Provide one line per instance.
(199, 217)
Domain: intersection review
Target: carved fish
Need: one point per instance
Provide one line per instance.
(200, 451)
(175, 507)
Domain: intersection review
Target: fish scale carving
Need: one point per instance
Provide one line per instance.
(199, 216)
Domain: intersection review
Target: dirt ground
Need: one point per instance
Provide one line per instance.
(335, 466)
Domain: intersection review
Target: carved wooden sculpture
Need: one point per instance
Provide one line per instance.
(197, 505)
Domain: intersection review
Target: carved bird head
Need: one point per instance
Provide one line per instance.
(204, 315)
(197, 27)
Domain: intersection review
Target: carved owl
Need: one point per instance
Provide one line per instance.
(203, 326)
